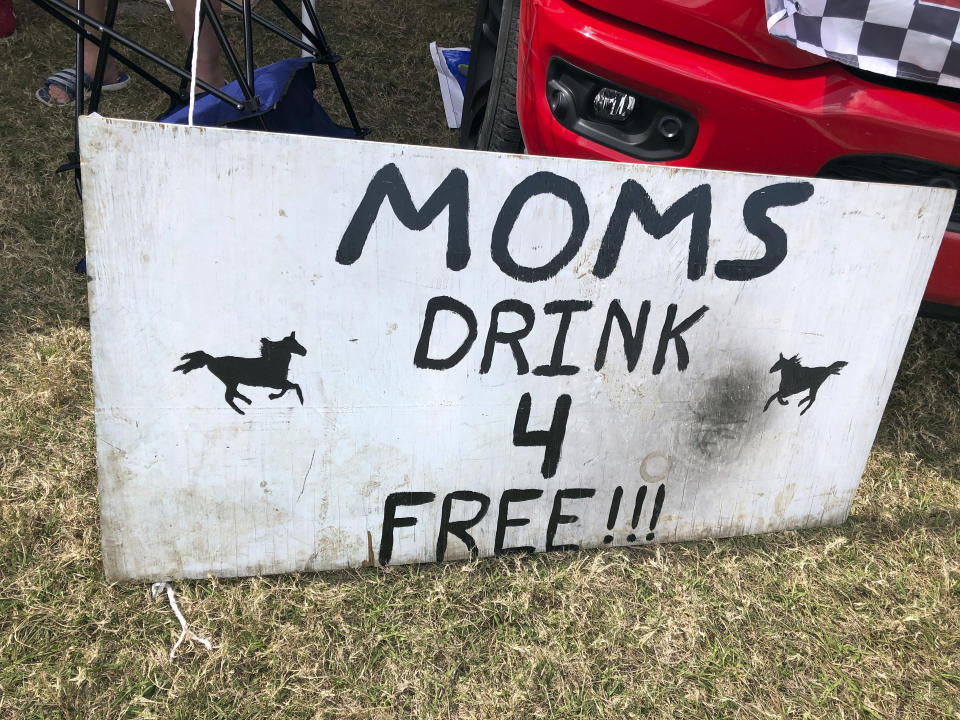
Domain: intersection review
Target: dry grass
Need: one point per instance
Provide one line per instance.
(851, 622)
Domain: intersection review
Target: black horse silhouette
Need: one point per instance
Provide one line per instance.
(795, 378)
(268, 370)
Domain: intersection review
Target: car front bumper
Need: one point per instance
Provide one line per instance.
(751, 117)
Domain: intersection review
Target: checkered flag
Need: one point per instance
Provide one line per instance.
(910, 39)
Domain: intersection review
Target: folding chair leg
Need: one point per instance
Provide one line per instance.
(96, 87)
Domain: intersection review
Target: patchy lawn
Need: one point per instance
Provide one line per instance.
(856, 621)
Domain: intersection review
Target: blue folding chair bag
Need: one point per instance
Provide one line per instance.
(287, 105)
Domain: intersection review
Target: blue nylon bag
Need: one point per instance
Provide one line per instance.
(287, 105)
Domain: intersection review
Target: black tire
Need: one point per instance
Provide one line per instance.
(490, 102)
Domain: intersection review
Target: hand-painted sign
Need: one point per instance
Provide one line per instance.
(473, 354)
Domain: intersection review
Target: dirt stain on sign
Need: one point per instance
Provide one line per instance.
(782, 502)
(371, 560)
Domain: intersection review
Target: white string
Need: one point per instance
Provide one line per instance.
(185, 633)
(193, 62)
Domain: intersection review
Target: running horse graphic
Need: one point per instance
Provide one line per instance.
(795, 378)
(269, 370)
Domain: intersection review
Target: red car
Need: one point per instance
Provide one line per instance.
(703, 84)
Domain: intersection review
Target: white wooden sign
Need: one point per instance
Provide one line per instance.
(315, 353)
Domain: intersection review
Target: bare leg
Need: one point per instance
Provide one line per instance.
(208, 49)
(96, 9)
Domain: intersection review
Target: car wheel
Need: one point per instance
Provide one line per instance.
(490, 100)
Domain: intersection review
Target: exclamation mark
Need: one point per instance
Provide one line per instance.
(657, 506)
(637, 508)
(614, 509)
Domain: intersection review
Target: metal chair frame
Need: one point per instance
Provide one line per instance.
(312, 42)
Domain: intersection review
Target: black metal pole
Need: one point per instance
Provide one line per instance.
(275, 29)
(248, 44)
(318, 31)
(311, 13)
(185, 81)
(298, 24)
(96, 86)
(78, 88)
(249, 102)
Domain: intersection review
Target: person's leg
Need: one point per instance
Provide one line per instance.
(208, 49)
(96, 9)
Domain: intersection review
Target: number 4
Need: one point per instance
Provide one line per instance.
(551, 440)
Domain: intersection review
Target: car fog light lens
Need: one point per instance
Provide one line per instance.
(613, 104)
(559, 102)
(670, 126)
